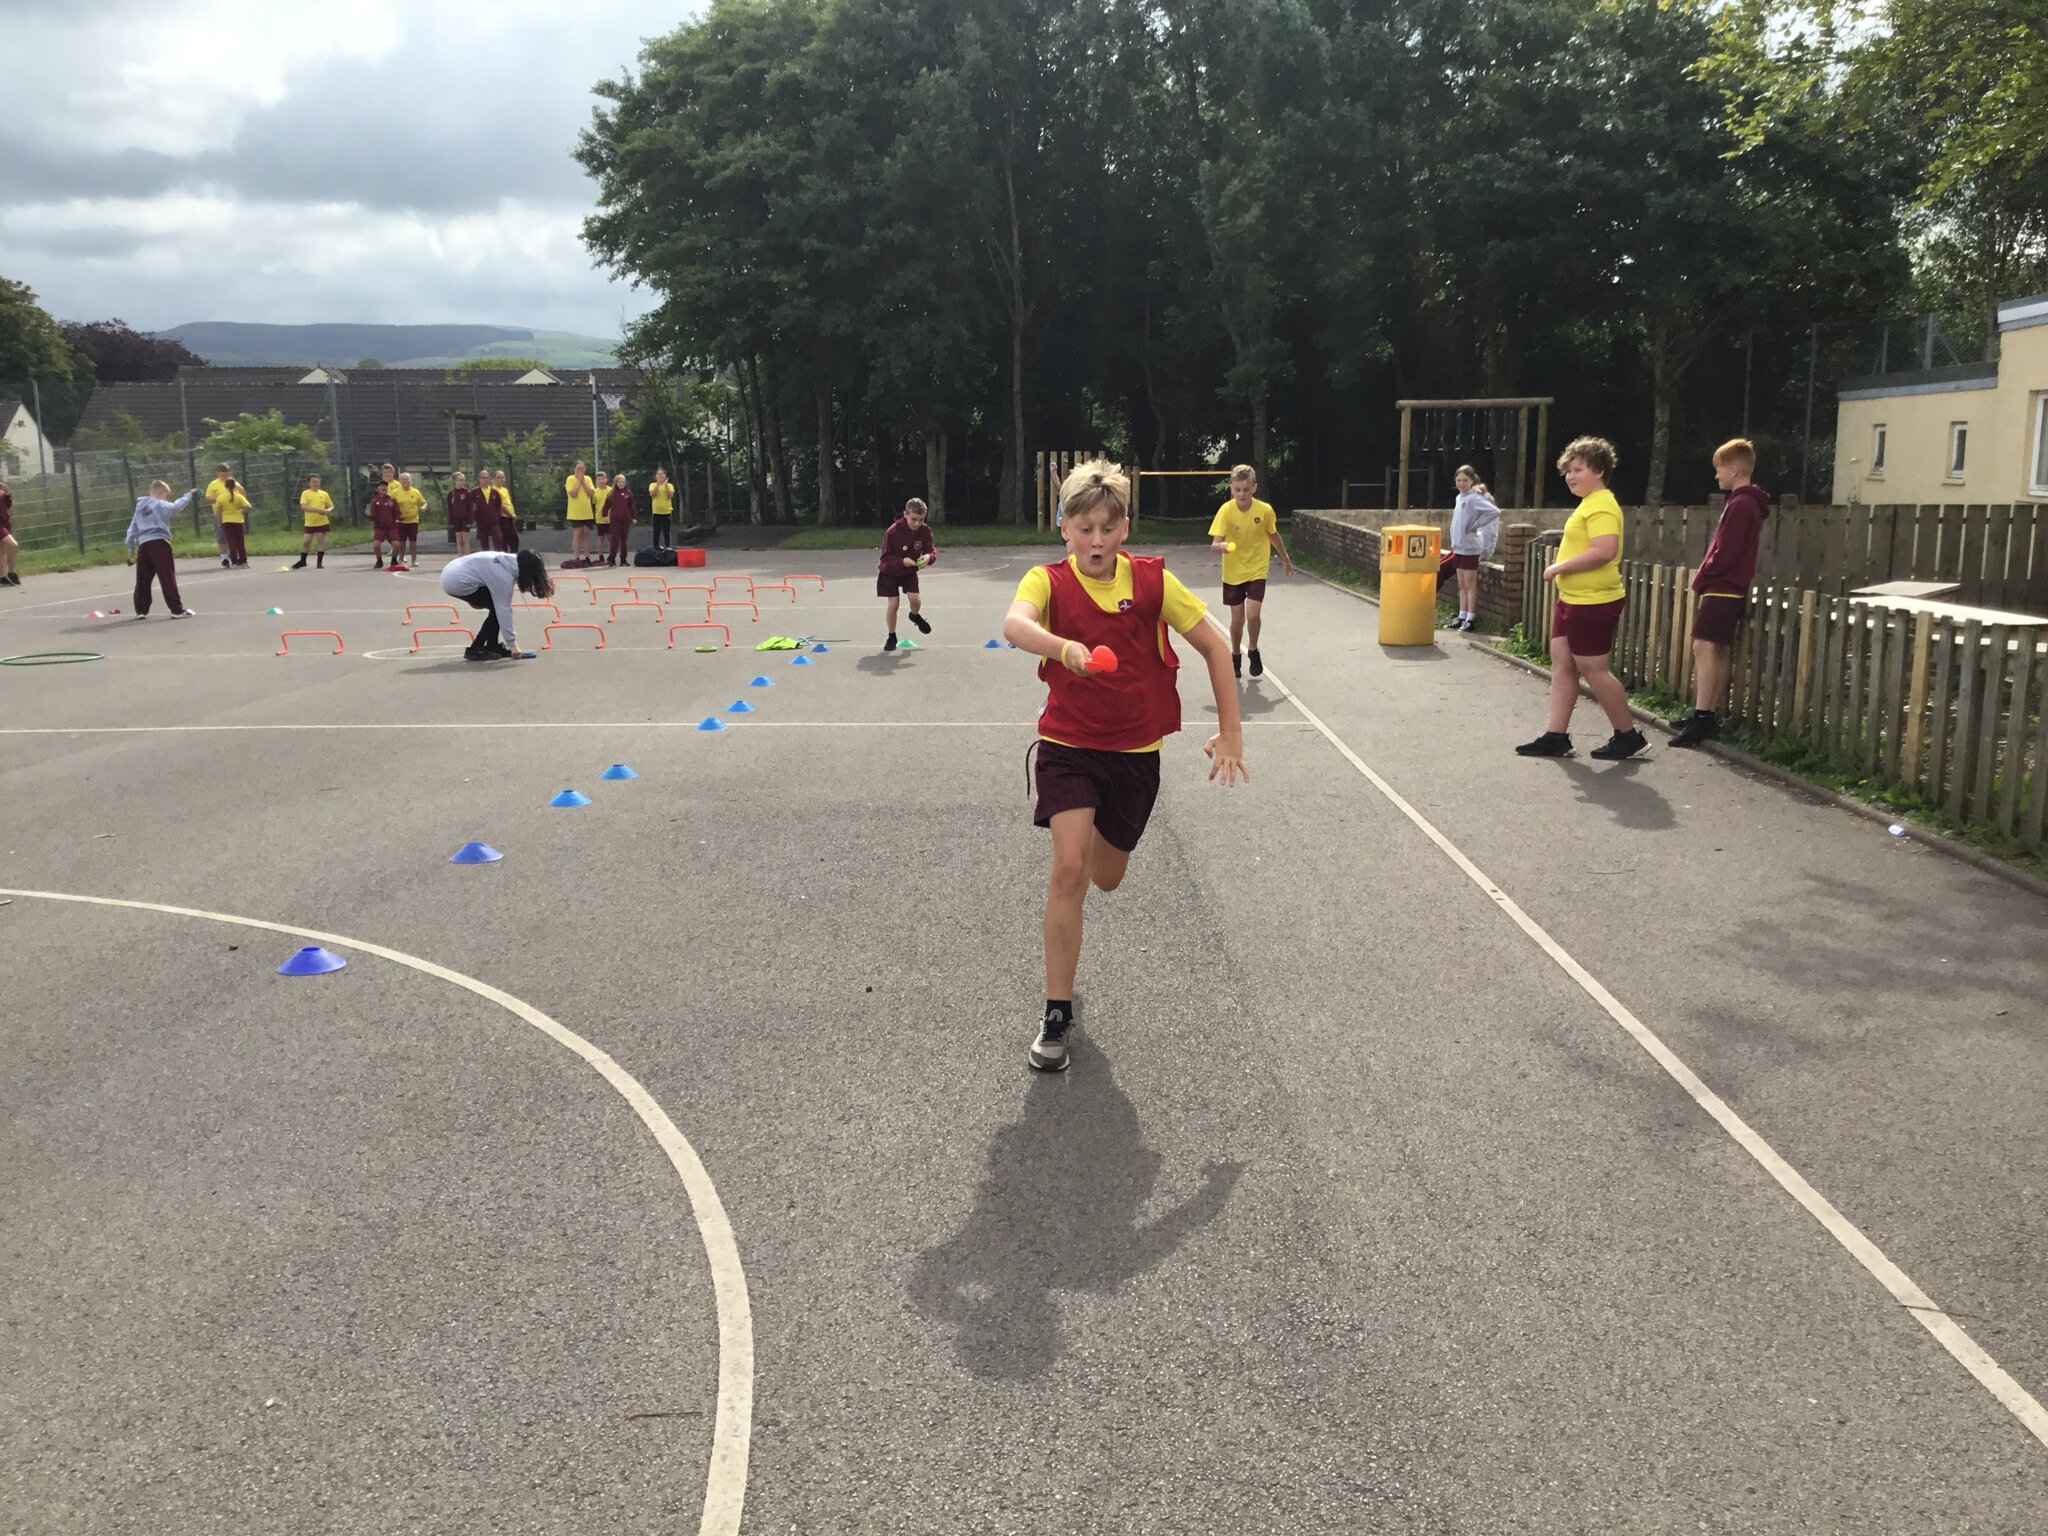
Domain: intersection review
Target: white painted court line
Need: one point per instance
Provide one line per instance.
(744, 723)
(1951, 1334)
(726, 1482)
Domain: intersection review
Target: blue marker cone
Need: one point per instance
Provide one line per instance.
(711, 723)
(570, 797)
(475, 853)
(740, 707)
(992, 645)
(820, 649)
(799, 661)
(312, 961)
(618, 771)
(761, 682)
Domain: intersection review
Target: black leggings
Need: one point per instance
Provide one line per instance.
(486, 632)
(661, 533)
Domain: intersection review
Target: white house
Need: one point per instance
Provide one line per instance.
(31, 453)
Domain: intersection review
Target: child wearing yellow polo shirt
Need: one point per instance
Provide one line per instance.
(233, 511)
(1099, 734)
(581, 495)
(315, 507)
(213, 494)
(410, 500)
(600, 504)
(661, 500)
(508, 515)
(1590, 595)
(1246, 532)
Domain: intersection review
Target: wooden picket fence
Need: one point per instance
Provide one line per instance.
(1894, 691)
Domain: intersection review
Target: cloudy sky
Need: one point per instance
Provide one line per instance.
(388, 161)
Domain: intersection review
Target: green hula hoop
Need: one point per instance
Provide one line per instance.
(51, 658)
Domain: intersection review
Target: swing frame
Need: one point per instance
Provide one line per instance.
(1521, 405)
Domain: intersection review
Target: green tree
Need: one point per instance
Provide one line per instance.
(125, 431)
(267, 433)
(31, 346)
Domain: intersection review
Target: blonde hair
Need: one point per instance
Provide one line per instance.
(1091, 485)
(1596, 453)
(159, 485)
(916, 504)
(1739, 452)
(1243, 472)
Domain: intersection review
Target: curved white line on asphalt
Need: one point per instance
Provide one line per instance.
(726, 1482)
(2021, 1403)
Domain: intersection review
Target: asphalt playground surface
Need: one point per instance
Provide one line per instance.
(1357, 1211)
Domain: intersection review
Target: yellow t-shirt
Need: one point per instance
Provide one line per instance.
(579, 504)
(661, 496)
(232, 508)
(507, 510)
(1179, 607)
(1599, 513)
(410, 499)
(600, 501)
(1249, 531)
(215, 489)
(315, 505)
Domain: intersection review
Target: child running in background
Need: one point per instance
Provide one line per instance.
(462, 511)
(508, 520)
(907, 548)
(315, 506)
(384, 522)
(619, 507)
(1590, 595)
(1722, 584)
(1475, 524)
(1247, 533)
(661, 501)
(149, 536)
(1099, 735)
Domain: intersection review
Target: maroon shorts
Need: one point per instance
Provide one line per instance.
(1717, 619)
(1237, 592)
(457, 523)
(1588, 628)
(889, 583)
(384, 533)
(1118, 786)
(1464, 562)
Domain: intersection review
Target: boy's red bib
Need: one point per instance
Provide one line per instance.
(1137, 704)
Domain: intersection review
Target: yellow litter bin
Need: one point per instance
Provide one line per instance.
(1409, 553)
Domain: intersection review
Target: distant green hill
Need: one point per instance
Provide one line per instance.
(227, 343)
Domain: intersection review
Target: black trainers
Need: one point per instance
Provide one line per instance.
(1258, 666)
(1695, 728)
(1049, 1050)
(1549, 744)
(919, 620)
(380, 563)
(889, 644)
(1622, 744)
(1236, 665)
(299, 564)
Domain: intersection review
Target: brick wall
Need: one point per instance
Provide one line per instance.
(1352, 540)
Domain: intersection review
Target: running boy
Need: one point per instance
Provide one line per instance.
(1100, 732)
(1245, 531)
(661, 501)
(907, 548)
(580, 493)
(1722, 582)
(1589, 599)
(619, 507)
(315, 507)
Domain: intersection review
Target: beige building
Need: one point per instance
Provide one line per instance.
(1977, 432)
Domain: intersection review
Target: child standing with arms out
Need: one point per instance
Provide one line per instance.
(149, 536)
(619, 507)
(1475, 523)
(661, 500)
(1245, 531)
(1722, 582)
(1589, 600)
(1099, 735)
(907, 548)
(315, 507)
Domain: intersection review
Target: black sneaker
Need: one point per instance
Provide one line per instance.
(889, 644)
(1680, 722)
(380, 563)
(919, 620)
(1258, 666)
(14, 578)
(1622, 744)
(1549, 744)
(1236, 665)
(299, 564)
(495, 652)
(1049, 1050)
(1695, 728)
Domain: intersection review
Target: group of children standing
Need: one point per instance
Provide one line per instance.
(601, 513)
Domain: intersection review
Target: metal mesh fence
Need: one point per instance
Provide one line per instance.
(83, 500)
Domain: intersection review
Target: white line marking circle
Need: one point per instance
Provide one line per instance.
(725, 1486)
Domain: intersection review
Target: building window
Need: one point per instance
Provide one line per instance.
(1877, 437)
(2040, 486)
(1958, 448)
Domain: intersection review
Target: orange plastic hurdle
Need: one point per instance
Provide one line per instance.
(547, 636)
(445, 629)
(729, 577)
(634, 581)
(551, 608)
(284, 640)
(733, 602)
(627, 590)
(670, 589)
(612, 618)
(719, 627)
(774, 586)
(804, 576)
(562, 576)
(448, 608)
